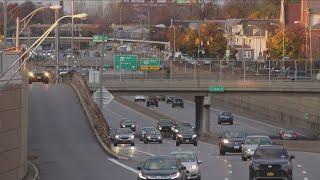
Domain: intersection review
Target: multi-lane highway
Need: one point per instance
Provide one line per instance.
(65, 147)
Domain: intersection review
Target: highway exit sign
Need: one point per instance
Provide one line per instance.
(98, 38)
(125, 62)
(216, 89)
(149, 64)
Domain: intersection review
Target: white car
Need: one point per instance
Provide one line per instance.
(139, 98)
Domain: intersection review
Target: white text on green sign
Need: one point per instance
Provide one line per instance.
(216, 89)
(125, 62)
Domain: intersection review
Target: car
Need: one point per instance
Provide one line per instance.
(177, 127)
(288, 134)
(177, 102)
(139, 98)
(152, 136)
(186, 135)
(152, 101)
(86, 53)
(300, 75)
(271, 162)
(63, 72)
(170, 99)
(112, 133)
(161, 98)
(38, 74)
(124, 136)
(165, 125)
(143, 131)
(251, 143)
(190, 160)
(231, 141)
(162, 167)
(225, 117)
(127, 123)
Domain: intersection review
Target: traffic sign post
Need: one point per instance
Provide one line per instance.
(99, 38)
(146, 62)
(216, 88)
(125, 62)
(153, 64)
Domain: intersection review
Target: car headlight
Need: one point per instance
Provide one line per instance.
(248, 149)
(117, 136)
(123, 126)
(225, 141)
(175, 175)
(194, 167)
(132, 136)
(194, 136)
(179, 135)
(148, 137)
(160, 128)
(132, 125)
(159, 137)
(31, 74)
(176, 130)
(172, 128)
(46, 74)
(141, 176)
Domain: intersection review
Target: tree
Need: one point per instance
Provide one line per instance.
(292, 45)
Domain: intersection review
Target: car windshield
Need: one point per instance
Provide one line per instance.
(234, 134)
(124, 131)
(269, 153)
(183, 125)
(288, 131)
(127, 121)
(258, 140)
(187, 130)
(166, 122)
(153, 132)
(113, 131)
(226, 114)
(160, 164)
(185, 157)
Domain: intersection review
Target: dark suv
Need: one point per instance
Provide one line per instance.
(271, 162)
(38, 74)
(152, 101)
(165, 125)
(177, 102)
(231, 141)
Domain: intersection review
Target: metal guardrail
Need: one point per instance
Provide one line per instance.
(100, 123)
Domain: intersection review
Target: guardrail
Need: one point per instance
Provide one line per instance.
(80, 86)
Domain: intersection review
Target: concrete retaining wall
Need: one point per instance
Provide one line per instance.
(13, 132)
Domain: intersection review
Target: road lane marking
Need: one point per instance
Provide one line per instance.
(218, 157)
(225, 160)
(145, 153)
(226, 179)
(305, 178)
(299, 166)
(230, 172)
(304, 172)
(229, 166)
(123, 165)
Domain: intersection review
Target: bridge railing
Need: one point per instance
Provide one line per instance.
(81, 88)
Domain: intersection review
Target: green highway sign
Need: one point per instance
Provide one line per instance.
(216, 88)
(98, 38)
(106, 65)
(149, 64)
(125, 62)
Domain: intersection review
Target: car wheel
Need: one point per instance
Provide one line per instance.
(46, 82)
(244, 158)
(147, 105)
(177, 143)
(30, 82)
(115, 144)
(172, 106)
(145, 141)
(174, 137)
(195, 144)
(182, 106)
(222, 152)
(141, 139)
(132, 144)
(219, 122)
(144, 100)
(160, 142)
(231, 123)
(157, 105)
(135, 100)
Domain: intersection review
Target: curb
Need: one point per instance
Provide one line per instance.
(106, 148)
(36, 171)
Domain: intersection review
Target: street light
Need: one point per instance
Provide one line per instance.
(310, 45)
(259, 57)
(283, 52)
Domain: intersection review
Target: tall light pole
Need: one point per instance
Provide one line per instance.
(72, 23)
(260, 54)
(310, 42)
(283, 52)
(5, 22)
(57, 45)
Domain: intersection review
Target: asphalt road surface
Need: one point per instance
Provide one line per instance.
(214, 166)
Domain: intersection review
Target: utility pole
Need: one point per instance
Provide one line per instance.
(17, 33)
(57, 45)
(101, 75)
(72, 23)
(5, 22)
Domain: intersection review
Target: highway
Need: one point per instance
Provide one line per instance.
(229, 167)
(65, 148)
(61, 140)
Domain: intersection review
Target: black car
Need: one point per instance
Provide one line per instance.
(177, 102)
(162, 167)
(38, 74)
(177, 127)
(165, 125)
(152, 101)
(271, 162)
(112, 134)
(127, 123)
(231, 141)
(225, 117)
(161, 98)
(170, 99)
(186, 136)
(152, 136)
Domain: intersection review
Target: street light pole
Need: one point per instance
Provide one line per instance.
(72, 22)
(310, 50)
(57, 45)
(101, 75)
(5, 22)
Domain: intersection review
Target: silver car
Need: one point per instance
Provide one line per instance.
(251, 143)
(123, 136)
(190, 160)
(143, 131)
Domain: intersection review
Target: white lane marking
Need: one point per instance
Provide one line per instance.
(305, 178)
(229, 166)
(230, 172)
(299, 166)
(226, 179)
(304, 172)
(218, 157)
(145, 153)
(225, 160)
(123, 165)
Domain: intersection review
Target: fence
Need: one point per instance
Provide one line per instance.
(80, 86)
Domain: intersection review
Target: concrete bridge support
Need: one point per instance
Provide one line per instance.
(202, 115)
